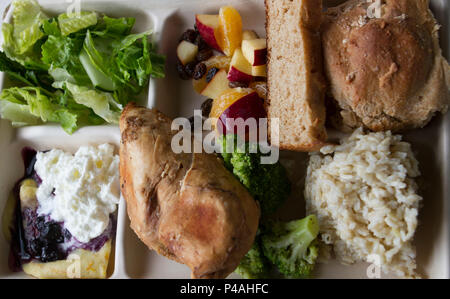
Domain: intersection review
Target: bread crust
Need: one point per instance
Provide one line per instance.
(386, 72)
(302, 123)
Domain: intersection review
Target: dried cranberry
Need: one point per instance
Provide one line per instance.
(206, 107)
(199, 71)
(201, 44)
(211, 73)
(189, 35)
(182, 71)
(204, 54)
(235, 84)
(190, 68)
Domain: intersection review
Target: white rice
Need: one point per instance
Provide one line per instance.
(364, 196)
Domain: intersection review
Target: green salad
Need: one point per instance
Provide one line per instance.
(75, 69)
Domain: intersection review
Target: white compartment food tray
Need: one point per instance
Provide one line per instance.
(169, 18)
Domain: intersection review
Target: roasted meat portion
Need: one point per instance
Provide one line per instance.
(187, 207)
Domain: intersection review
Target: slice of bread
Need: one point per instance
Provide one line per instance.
(296, 86)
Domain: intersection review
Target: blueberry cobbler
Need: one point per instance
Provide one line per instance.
(62, 213)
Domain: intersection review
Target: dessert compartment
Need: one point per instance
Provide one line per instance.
(49, 136)
(45, 138)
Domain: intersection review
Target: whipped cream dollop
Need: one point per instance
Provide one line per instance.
(81, 190)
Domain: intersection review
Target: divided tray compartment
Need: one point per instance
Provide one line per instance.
(169, 19)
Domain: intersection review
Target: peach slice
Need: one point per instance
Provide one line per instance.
(226, 99)
(199, 85)
(230, 30)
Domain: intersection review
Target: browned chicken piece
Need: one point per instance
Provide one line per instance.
(187, 207)
(384, 64)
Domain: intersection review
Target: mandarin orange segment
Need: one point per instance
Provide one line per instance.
(199, 85)
(226, 99)
(230, 30)
(220, 62)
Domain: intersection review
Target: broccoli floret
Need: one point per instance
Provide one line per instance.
(254, 265)
(267, 183)
(292, 246)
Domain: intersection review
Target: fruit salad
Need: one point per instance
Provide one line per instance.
(226, 64)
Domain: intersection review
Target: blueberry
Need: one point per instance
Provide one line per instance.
(35, 248)
(42, 226)
(211, 73)
(50, 254)
(54, 233)
(51, 232)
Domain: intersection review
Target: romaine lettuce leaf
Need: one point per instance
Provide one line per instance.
(63, 52)
(50, 27)
(113, 27)
(78, 69)
(29, 77)
(27, 17)
(97, 77)
(30, 60)
(128, 40)
(18, 114)
(30, 105)
(96, 59)
(73, 22)
(21, 37)
(60, 74)
(102, 103)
